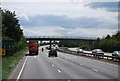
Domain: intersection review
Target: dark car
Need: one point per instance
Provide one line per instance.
(116, 54)
(52, 52)
(98, 52)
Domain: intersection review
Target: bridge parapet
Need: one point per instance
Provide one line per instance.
(59, 38)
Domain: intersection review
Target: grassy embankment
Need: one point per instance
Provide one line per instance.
(9, 63)
(64, 47)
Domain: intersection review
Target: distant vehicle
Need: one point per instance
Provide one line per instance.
(79, 50)
(52, 52)
(42, 49)
(33, 48)
(116, 54)
(54, 46)
(98, 52)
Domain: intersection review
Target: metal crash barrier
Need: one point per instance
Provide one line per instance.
(114, 58)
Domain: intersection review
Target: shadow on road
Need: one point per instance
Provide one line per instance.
(30, 55)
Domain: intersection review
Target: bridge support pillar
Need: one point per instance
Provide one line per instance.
(40, 42)
(50, 44)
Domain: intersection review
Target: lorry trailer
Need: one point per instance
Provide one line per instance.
(33, 47)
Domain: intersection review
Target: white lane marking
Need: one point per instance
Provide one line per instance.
(95, 70)
(81, 64)
(52, 65)
(35, 56)
(68, 80)
(22, 69)
(59, 71)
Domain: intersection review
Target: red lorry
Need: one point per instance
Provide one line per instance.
(33, 47)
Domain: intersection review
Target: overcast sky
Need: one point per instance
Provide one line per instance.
(70, 18)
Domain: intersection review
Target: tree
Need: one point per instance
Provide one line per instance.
(109, 43)
(10, 25)
(107, 37)
(118, 35)
(11, 31)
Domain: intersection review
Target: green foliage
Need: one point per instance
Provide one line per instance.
(21, 44)
(81, 44)
(109, 44)
(85, 47)
(10, 25)
(11, 31)
(69, 43)
(107, 37)
(8, 63)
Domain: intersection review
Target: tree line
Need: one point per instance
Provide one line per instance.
(81, 44)
(11, 30)
(109, 43)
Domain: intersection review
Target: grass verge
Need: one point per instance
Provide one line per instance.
(9, 63)
(63, 47)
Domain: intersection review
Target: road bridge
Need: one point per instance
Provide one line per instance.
(90, 40)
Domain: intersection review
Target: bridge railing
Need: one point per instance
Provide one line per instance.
(61, 37)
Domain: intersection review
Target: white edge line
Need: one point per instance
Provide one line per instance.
(59, 71)
(81, 64)
(22, 69)
(68, 80)
(35, 56)
(52, 65)
(95, 70)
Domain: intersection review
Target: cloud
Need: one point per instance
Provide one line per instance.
(60, 31)
(60, 0)
(110, 6)
(66, 22)
(68, 9)
(64, 18)
(89, 32)
(26, 10)
(42, 31)
(24, 17)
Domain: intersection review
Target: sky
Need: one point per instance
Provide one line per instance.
(66, 18)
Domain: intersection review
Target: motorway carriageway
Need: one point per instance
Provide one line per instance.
(65, 66)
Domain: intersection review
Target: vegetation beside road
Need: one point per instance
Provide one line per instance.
(109, 43)
(9, 63)
(64, 47)
(11, 31)
(15, 50)
(82, 44)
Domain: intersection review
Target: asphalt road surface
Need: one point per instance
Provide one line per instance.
(66, 66)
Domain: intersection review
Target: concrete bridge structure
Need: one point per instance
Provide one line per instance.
(90, 40)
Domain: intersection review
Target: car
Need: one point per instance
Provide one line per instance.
(52, 52)
(97, 52)
(79, 50)
(116, 54)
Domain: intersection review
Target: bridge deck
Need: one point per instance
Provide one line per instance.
(59, 38)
